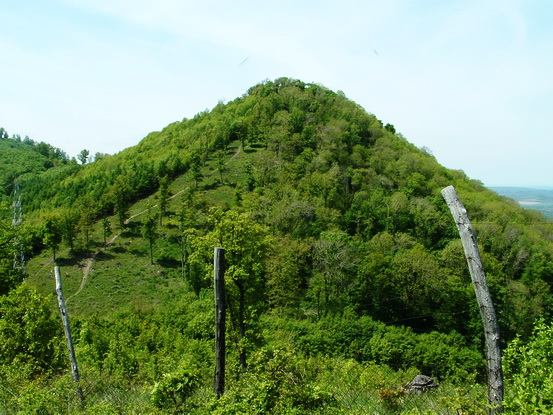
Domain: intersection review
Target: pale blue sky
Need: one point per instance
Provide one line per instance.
(471, 80)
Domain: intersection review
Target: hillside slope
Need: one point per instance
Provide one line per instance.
(322, 175)
(345, 273)
(20, 158)
(537, 199)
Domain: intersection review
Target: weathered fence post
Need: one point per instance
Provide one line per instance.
(487, 311)
(67, 329)
(220, 320)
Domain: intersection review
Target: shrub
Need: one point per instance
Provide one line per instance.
(528, 369)
(31, 338)
(172, 391)
(275, 384)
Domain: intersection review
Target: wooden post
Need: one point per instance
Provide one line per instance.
(67, 329)
(220, 320)
(487, 311)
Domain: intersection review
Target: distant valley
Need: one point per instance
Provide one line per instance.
(540, 199)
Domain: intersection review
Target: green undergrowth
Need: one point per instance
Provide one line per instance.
(120, 275)
(346, 275)
(161, 361)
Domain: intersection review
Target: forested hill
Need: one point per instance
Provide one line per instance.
(335, 233)
(24, 157)
(325, 178)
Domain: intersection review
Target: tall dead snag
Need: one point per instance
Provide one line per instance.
(67, 329)
(220, 320)
(487, 311)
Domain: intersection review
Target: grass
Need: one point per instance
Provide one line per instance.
(121, 278)
(121, 275)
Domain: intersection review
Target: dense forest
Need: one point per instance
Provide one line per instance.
(20, 157)
(345, 273)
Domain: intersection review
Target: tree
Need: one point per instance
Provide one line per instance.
(334, 264)
(29, 334)
(415, 279)
(52, 233)
(163, 198)
(83, 156)
(9, 277)
(86, 218)
(250, 179)
(246, 244)
(321, 184)
(238, 130)
(99, 156)
(398, 213)
(389, 127)
(121, 199)
(149, 233)
(106, 228)
(69, 222)
(185, 222)
(288, 269)
(196, 170)
(220, 164)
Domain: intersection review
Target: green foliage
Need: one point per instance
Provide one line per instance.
(25, 158)
(121, 200)
(315, 162)
(246, 245)
(334, 265)
(163, 198)
(318, 162)
(140, 347)
(288, 270)
(148, 229)
(30, 335)
(276, 384)
(338, 244)
(83, 156)
(52, 231)
(106, 229)
(69, 222)
(528, 371)
(172, 391)
(196, 170)
(9, 237)
(390, 128)
(366, 340)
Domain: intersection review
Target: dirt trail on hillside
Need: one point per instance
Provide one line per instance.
(88, 265)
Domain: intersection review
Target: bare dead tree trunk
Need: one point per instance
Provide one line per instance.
(67, 329)
(487, 311)
(220, 320)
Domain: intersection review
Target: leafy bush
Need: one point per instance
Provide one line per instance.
(528, 369)
(367, 340)
(275, 384)
(172, 391)
(136, 347)
(31, 338)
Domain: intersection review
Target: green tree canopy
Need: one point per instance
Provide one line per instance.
(83, 156)
(149, 226)
(52, 232)
(30, 336)
(246, 245)
(9, 277)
